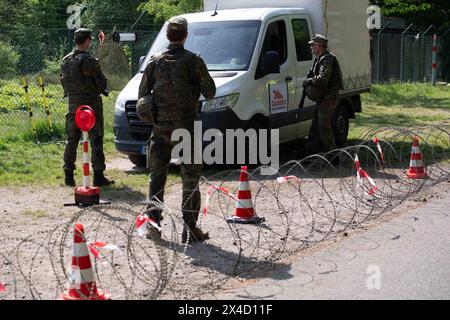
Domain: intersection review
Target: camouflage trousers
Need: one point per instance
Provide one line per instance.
(159, 159)
(73, 140)
(321, 137)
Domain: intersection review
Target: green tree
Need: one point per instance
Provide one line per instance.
(162, 10)
(44, 14)
(420, 12)
(107, 14)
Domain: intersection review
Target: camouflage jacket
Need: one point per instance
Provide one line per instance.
(176, 78)
(327, 74)
(82, 78)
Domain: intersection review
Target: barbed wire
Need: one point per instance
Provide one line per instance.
(309, 201)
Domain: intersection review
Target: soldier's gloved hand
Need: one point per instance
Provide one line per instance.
(307, 82)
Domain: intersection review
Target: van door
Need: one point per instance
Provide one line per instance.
(280, 89)
(301, 29)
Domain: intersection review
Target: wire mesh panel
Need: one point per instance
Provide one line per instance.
(416, 58)
(35, 110)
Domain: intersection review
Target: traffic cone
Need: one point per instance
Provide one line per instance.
(416, 169)
(82, 286)
(244, 213)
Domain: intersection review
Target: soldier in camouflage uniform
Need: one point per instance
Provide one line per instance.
(325, 80)
(83, 82)
(176, 78)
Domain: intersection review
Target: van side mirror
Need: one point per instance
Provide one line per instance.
(271, 63)
(141, 61)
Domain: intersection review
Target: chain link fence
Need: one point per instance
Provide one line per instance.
(407, 56)
(32, 103)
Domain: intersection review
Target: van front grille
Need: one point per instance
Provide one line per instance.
(132, 117)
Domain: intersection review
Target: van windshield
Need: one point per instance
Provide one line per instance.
(224, 45)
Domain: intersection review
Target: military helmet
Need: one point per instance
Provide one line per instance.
(314, 93)
(145, 109)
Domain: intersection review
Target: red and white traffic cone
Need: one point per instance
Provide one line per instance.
(416, 168)
(82, 278)
(245, 212)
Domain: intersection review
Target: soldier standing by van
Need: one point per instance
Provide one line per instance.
(322, 86)
(83, 82)
(175, 79)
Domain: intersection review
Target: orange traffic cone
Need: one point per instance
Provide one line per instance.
(82, 286)
(244, 206)
(416, 169)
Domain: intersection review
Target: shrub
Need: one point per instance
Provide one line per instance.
(52, 71)
(9, 59)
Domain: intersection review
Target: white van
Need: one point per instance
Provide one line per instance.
(234, 41)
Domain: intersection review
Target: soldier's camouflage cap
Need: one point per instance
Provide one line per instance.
(177, 24)
(319, 39)
(83, 33)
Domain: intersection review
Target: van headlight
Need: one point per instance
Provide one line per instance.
(221, 103)
(120, 103)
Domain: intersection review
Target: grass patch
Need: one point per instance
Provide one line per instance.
(25, 163)
(45, 133)
(409, 95)
(402, 105)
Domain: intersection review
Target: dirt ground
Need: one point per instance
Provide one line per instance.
(36, 232)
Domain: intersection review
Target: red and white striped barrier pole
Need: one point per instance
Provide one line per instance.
(141, 224)
(86, 182)
(434, 65)
(85, 121)
(380, 150)
(360, 174)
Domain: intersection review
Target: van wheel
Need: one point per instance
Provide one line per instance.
(341, 125)
(138, 160)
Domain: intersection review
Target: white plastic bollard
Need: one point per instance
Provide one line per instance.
(86, 182)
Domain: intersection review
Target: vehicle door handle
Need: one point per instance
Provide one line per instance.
(288, 79)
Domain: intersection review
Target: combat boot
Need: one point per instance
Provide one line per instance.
(195, 234)
(69, 180)
(154, 214)
(153, 233)
(100, 180)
